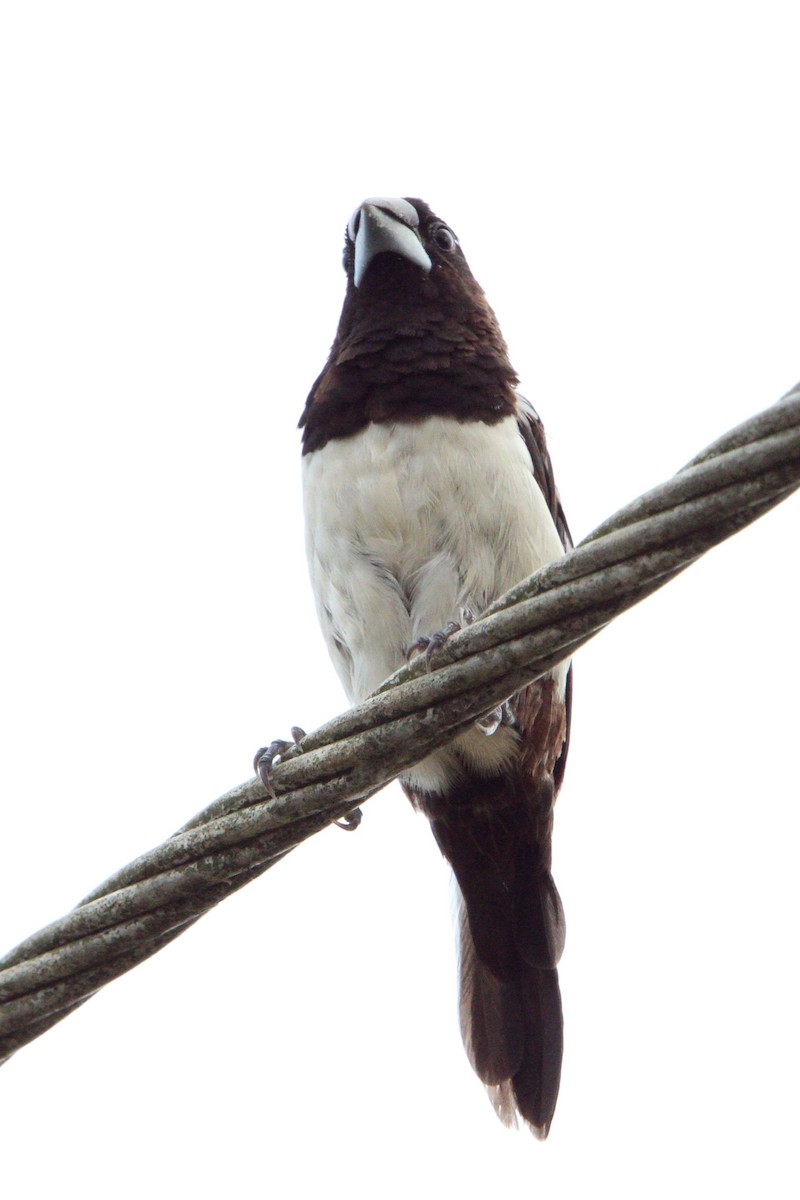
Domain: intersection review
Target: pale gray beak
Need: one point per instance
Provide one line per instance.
(385, 226)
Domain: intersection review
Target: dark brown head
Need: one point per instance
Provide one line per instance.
(416, 337)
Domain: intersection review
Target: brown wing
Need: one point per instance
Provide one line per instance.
(532, 432)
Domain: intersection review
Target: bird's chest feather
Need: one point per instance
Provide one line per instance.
(409, 523)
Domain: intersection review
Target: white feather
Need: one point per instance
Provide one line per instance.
(408, 524)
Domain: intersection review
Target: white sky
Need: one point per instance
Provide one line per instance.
(624, 179)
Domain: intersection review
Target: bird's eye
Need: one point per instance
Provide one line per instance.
(445, 238)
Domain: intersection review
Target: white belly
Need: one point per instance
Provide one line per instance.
(408, 524)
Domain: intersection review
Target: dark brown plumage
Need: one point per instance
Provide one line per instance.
(410, 345)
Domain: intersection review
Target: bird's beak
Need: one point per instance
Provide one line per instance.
(385, 226)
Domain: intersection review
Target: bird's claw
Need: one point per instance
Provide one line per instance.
(492, 721)
(431, 644)
(266, 758)
(351, 822)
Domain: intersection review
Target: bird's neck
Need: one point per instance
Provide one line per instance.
(406, 365)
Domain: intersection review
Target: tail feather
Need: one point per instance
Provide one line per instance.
(539, 926)
(513, 1034)
(495, 829)
(492, 1025)
(535, 1084)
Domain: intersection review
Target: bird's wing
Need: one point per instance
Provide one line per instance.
(532, 433)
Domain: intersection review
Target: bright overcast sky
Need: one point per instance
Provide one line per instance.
(177, 177)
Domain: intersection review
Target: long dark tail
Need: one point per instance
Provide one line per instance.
(511, 934)
(513, 1032)
(496, 832)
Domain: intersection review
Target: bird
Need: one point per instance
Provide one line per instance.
(428, 492)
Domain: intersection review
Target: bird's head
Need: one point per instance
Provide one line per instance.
(405, 229)
(399, 256)
(416, 335)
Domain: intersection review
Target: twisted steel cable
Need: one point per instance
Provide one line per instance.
(525, 633)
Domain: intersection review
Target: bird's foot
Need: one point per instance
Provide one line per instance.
(493, 720)
(351, 822)
(266, 758)
(429, 645)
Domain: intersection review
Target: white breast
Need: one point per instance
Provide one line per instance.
(408, 524)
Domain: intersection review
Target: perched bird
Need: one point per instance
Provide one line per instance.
(428, 492)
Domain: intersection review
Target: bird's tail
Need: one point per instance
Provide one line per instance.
(512, 1027)
(493, 823)
(496, 834)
